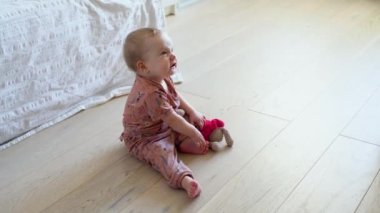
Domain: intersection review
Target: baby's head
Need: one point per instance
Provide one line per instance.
(149, 53)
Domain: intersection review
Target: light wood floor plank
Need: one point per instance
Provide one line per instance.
(322, 64)
(339, 179)
(50, 144)
(50, 164)
(260, 28)
(268, 179)
(206, 31)
(371, 201)
(306, 57)
(110, 190)
(213, 28)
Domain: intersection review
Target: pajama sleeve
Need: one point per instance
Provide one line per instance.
(157, 105)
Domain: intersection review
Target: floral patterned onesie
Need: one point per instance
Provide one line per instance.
(147, 136)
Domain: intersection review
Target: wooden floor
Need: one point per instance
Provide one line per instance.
(298, 84)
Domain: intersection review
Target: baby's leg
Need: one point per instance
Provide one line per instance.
(162, 156)
(186, 145)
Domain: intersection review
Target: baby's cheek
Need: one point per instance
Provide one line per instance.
(165, 63)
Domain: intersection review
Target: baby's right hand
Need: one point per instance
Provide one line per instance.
(197, 137)
(179, 124)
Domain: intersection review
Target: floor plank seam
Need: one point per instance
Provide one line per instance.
(306, 174)
(194, 94)
(359, 140)
(365, 194)
(359, 110)
(269, 115)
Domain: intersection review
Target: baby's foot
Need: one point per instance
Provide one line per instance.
(191, 186)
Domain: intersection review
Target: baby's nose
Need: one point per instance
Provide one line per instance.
(172, 56)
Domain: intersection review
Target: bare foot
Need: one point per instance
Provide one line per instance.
(191, 186)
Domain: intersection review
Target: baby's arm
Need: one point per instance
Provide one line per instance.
(195, 117)
(179, 124)
(185, 105)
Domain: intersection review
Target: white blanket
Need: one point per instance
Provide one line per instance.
(58, 57)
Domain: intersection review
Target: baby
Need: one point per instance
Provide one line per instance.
(153, 131)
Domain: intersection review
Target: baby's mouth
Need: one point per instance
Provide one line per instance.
(174, 65)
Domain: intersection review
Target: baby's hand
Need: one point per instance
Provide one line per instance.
(197, 119)
(198, 139)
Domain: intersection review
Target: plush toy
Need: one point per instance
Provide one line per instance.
(213, 130)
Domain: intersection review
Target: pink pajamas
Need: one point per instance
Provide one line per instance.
(162, 156)
(145, 134)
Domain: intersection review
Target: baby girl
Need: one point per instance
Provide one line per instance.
(153, 131)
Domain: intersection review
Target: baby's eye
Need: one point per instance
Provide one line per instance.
(164, 52)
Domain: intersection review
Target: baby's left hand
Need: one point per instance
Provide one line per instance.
(197, 119)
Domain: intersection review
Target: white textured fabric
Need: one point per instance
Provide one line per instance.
(58, 57)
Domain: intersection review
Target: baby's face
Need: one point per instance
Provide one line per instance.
(160, 59)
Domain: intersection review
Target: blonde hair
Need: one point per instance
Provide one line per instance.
(135, 45)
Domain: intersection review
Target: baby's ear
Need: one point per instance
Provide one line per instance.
(140, 66)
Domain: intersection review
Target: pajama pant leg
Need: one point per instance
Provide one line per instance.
(184, 144)
(162, 156)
